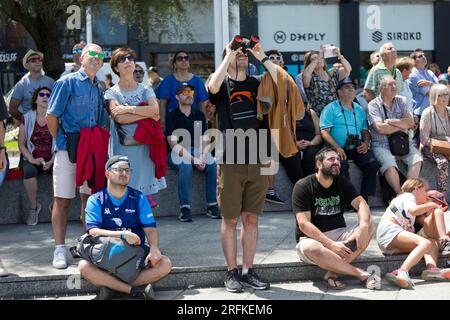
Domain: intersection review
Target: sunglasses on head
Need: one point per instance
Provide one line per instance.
(35, 60)
(77, 51)
(187, 92)
(181, 58)
(44, 94)
(99, 55)
(124, 58)
(138, 72)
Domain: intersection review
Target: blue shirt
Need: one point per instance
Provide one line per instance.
(75, 101)
(167, 90)
(132, 212)
(334, 116)
(420, 94)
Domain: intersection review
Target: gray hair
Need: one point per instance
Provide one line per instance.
(89, 46)
(384, 78)
(435, 91)
(383, 46)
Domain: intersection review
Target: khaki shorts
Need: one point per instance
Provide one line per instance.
(241, 188)
(64, 174)
(340, 234)
(387, 160)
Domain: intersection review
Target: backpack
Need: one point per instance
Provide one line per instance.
(114, 255)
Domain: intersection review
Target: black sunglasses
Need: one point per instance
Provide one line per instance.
(124, 58)
(138, 72)
(181, 58)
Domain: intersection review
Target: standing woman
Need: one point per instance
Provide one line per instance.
(37, 147)
(129, 102)
(166, 91)
(320, 84)
(434, 124)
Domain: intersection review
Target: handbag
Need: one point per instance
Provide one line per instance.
(125, 139)
(398, 141)
(440, 147)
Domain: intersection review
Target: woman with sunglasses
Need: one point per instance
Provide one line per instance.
(166, 91)
(129, 102)
(37, 148)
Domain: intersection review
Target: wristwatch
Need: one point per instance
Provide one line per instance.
(2, 148)
(264, 59)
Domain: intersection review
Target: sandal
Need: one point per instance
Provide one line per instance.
(333, 283)
(372, 282)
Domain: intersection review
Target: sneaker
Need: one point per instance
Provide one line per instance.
(3, 271)
(232, 283)
(251, 280)
(143, 292)
(213, 212)
(33, 215)
(445, 245)
(436, 274)
(105, 293)
(153, 203)
(274, 198)
(59, 258)
(400, 278)
(185, 215)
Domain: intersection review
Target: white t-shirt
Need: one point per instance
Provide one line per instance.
(403, 203)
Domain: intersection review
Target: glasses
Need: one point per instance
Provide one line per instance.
(139, 72)
(420, 56)
(188, 92)
(181, 58)
(124, 58)
(35, 60)
(44, 94)
(77, 51)
(121, 170)
(99, 55)
(275, 58)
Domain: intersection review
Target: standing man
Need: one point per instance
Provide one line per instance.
(76, 51)
(75, 103)
(242, 187)
(23, 91)
(322, 236)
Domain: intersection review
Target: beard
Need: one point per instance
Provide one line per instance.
(332, 171)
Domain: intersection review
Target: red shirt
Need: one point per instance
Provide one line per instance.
(42, 140)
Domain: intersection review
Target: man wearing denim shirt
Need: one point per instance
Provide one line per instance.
(73, 105)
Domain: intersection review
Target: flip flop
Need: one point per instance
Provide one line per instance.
(333, 283)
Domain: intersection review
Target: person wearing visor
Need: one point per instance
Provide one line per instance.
(123, 212)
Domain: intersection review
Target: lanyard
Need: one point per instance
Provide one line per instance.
(345, 120)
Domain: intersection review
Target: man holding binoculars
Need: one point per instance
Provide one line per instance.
(343, 125)
(241, 186)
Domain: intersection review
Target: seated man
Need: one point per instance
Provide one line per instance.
(184, 130)
(132, 220)
(390, 113)
(343, 126)
(323, 238)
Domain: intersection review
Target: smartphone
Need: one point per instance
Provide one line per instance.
(352, 245)
(328, 51)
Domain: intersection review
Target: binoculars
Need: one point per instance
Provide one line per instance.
(245, 44)
(352, 142)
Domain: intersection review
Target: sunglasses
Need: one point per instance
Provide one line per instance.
(275, 58)
(125, 58)
(138, 72)
(44, 94)
(187, 92)
(121, 170)
(420, 56)
(77, 51)
(99, 55)
(35, 60)
(181, 58)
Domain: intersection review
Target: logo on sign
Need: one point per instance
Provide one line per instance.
(377, 36)
(279, 37)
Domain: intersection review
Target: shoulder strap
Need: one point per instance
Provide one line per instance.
(229, 114)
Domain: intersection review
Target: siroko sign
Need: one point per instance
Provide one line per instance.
(396, 23)
(280, 26)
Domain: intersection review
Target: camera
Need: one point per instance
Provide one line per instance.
(245, 44)
(352, 142)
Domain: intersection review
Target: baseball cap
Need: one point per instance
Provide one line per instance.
(154, 69)
(184, 85)
(345, 81)
(30, 53)
(115, 160)
(444, 78)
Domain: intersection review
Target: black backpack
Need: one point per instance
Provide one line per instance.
(111, 254)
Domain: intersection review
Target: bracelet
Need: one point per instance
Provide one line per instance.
(264, 59)
(2, 148)
(122, 235)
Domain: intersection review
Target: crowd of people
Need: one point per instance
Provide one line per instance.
(81, 129)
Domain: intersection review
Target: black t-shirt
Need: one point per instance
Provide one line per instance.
(243, 97)
(326, 205)
(3, 110)
(178, 120)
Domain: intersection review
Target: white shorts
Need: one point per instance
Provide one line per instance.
(386, 232)
(64, 173)
(340, 234)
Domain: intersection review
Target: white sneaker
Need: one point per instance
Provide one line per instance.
(3, 271)
(33, 215)
(59, 258)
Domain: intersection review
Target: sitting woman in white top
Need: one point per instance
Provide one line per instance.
(37, 148)
(396, 233)
(435, 124)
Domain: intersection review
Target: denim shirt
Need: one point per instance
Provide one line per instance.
(75, 101)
